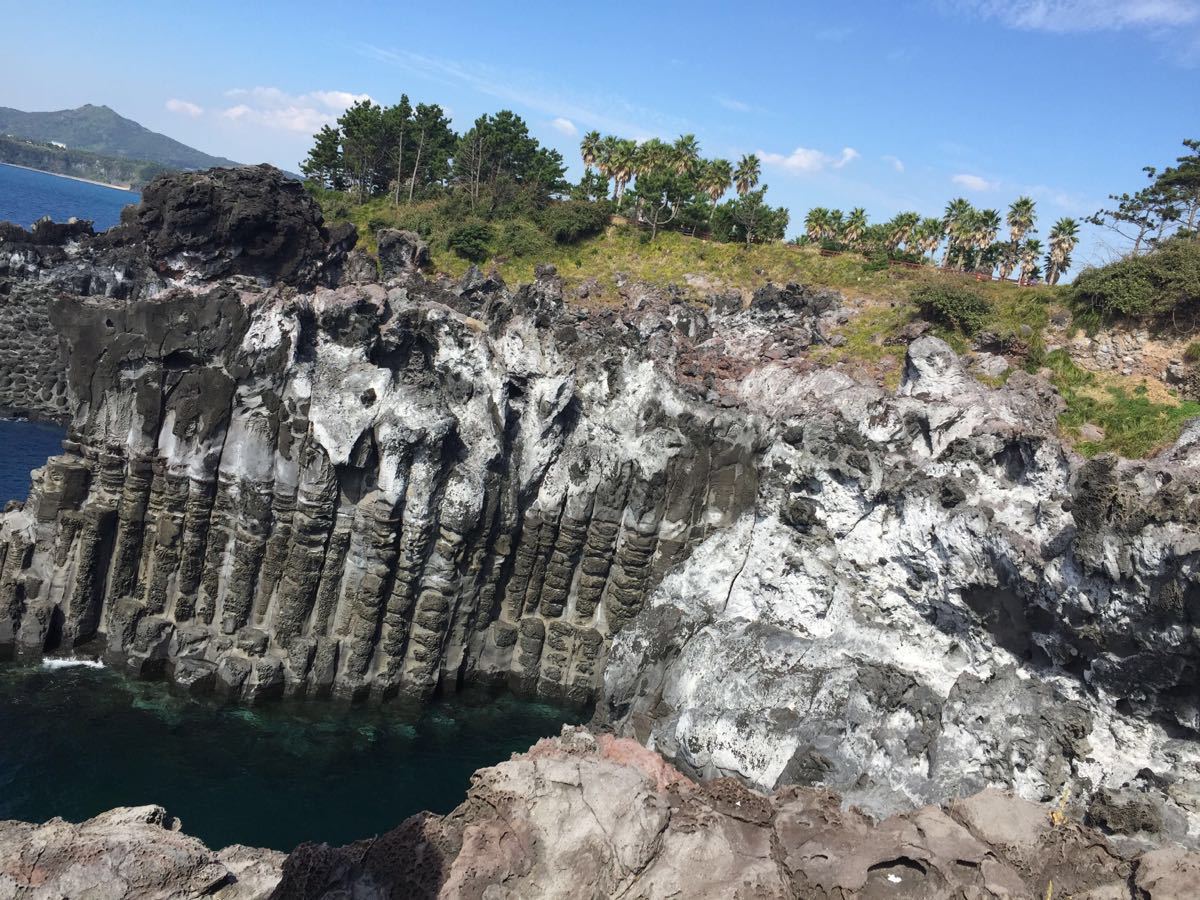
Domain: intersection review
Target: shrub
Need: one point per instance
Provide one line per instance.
(957, 307)
(1192, 353)
(470, 240)
(1161, 283)
(521, 239)
(573, 220)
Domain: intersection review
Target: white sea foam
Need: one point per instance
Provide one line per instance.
(70, 663)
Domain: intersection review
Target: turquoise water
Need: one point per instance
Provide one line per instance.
(23, 447)
(76, 740)
(26, 196)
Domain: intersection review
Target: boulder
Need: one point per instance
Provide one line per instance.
(401, 253)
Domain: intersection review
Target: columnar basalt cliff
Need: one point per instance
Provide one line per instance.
(291, 471)
(361, 489)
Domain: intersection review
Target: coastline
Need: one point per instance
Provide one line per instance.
(116, 187)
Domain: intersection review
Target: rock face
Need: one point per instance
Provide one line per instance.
(134, 852)
(284, 476)
(579, 816)
(932, 596)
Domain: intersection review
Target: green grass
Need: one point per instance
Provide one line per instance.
(1135, 425)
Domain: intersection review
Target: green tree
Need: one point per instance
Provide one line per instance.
(324, 162)
(927, 236)
(589, 149)
(816, 224)
(855, 227)
(747, 173)
(1030, 251)
(396, 122)
(956, 221)
(1007, 254)
(1063, 238)
(1022, 213)
(499, 158)
(363, 145)
(715, 180)
(659, 192)
(1183, 179)
(755, 220)
(433, 143)
(900, 230)
(686, 154)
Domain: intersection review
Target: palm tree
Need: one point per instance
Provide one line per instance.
(1008, 254)
(624, 165)
(606, 152)
(589, 148)
(1021, 216)
(900, 229)
(927, 235)
(835, 225)
(856, 224)
(955, 221)
(715, 179)
(985, 225)
(687, 154)
(816, 224)
(1063, 238)
(747, 173)
(1030, 251)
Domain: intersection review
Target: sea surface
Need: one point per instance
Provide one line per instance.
(23, 447)
(78, 739)
(26, 196)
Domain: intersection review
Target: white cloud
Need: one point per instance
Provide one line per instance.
(564, 126)
(895, 162)
(184, 108)
(272, 107)
(804, 160)
(1085, 15)
(973, 182)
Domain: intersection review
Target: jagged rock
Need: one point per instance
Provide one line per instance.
(247, 221)
(131, 852)
(401, 253)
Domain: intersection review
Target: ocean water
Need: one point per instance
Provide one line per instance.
(23, 447)
(26, 196)
(77, 738)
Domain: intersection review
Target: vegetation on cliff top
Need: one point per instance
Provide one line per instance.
(653, 212)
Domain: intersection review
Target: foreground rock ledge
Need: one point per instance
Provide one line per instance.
(581, 816)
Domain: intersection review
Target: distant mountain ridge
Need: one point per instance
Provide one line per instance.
(98, 129)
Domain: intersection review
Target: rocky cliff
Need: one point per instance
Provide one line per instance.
(291, 471)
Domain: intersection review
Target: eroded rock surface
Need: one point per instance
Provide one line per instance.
(586, 817)
(932, 596)
(581, 816)
(132, 852)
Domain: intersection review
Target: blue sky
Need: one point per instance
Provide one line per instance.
(887, 105)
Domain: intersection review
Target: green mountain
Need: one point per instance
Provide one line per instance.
(98, 129)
